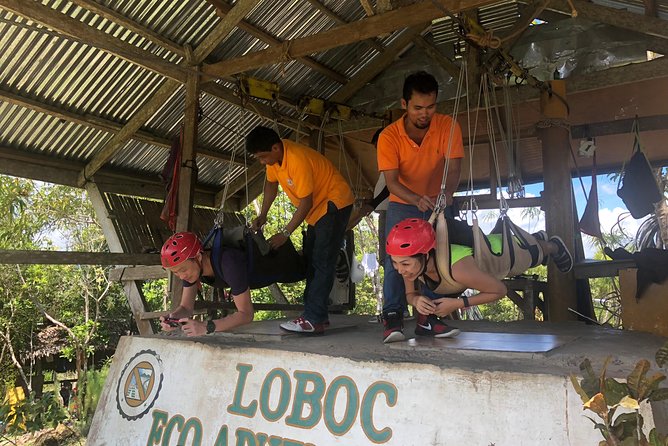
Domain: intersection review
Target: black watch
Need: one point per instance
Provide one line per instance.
(210, 327)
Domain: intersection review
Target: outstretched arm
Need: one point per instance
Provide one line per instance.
(467, 273)
(243, 315)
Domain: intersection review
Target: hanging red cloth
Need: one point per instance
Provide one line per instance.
(170, 178)
(590, 223)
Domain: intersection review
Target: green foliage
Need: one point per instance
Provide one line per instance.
(32, 413)
(95, 380)
(604, 396)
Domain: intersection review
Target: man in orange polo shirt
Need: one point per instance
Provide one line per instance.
(323, 199)
(411, 155)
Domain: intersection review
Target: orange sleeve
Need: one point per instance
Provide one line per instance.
(388, 152)
(271, 174)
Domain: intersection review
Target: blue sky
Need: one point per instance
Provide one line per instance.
(610, 208)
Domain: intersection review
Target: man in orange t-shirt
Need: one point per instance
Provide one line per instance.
(411, 155)
(323, 199)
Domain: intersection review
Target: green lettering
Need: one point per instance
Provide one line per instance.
(236, 407)
(264, 440)
(302, 398)
(221, 439)
(366, 412)
(352, 405)
(159, 421)
(176, 419)
(284, 396)
(245, 438)
(196, 426)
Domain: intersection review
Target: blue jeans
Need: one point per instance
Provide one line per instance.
(394, 292)
(322, 244)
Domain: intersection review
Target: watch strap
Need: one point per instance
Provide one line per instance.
(210, 326)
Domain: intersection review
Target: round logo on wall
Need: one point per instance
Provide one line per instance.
(139, 385)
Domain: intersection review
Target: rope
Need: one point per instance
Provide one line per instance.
(487, 39)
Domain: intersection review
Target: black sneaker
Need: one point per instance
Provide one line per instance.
(432, 325)
(563, 259)
(394, 327)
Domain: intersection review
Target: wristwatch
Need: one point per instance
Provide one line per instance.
(285, 232)
(210, 326)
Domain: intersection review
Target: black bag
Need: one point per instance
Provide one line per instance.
(639, 190)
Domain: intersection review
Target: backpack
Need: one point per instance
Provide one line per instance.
(637, 185)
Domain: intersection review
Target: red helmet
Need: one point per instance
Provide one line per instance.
(179, 248)
(409, 237)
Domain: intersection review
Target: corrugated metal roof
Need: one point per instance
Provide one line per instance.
(72, 75)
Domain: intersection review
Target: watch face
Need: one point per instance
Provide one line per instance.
(210, 327)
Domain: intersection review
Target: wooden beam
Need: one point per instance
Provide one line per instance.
(532, 11)
(133, 26)
(102, 124)
(223, 7)
(188, 172)
(74, 29)
(133, 291)
(223, 29)
(378, 64)
(339, 36)
(23, 257)
(449, 66)
(146, 111)
(620, 18)
(124, 273)
(239, 184)
(166, 90)
(368, 8)
(59, 171)
(621, 126)
(339, 21)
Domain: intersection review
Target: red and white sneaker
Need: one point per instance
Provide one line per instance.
(301, 325)
(432, 325)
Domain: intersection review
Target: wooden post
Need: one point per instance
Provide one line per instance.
(132, 288)
(188, 176)
(557, 197)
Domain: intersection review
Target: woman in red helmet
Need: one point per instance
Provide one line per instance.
(411, 243)
(183, 255)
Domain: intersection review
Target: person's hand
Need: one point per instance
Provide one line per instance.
(424, 305)
(277, 240)
(445, 306)
(257, 224)
(182, 314)
(424, 203)
(191, 327)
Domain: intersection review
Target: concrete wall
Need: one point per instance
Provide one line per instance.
(201, 394)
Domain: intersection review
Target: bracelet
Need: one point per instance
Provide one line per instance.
(466, 301)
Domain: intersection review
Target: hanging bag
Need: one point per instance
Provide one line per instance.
(637, 186)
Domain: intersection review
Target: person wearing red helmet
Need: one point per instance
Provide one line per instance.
(184, 256)
(411, 245)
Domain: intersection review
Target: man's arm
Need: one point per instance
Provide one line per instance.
(422, 202)
(270, 191)
(185, 309)
(305, 205)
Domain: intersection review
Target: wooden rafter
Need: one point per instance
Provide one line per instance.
(339, 21)
(101, 124)
(75, 30)
(133, 26)
(166, 91)
(20, 163)
(339, 36)
(620, 18)
(379, 63)
(224, 8)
